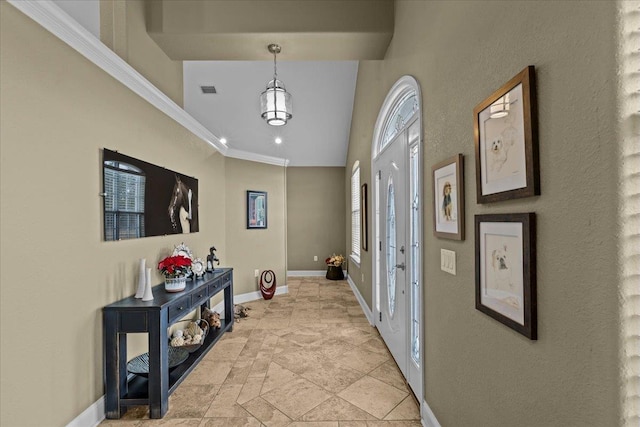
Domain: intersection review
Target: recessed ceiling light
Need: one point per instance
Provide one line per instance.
(278, 140)
(223, 140)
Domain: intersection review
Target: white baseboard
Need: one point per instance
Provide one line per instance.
(91, 417)
(428, 417)
(94, 414)
(306, 273)
(363, 303)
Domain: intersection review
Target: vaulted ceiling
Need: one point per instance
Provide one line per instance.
(224, 44)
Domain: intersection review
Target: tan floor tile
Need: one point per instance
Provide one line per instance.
(276, 377)
(336, 409)
(279, 323)
(296, 398)
(224, 405)
(406, 410)
(304, 336)
(121, 423)
(314, 424)
(267, 414)
(394, 424)
(260, 366)
(240, 370)
(230, 422)
(209, 372)
(389, 373)
(373, 396)
(171, 422)
(375, 345)
(332, 376)
(225, 351)
(286, 346)
(298, 360)
(191, 401)
(251, 390)
(362, 360)
(136, 413)
(331, 347)
(352, 424)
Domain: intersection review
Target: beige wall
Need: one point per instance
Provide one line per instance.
(57, 112)
(315, 216)
(478, 372)
(251, 249)
(368, 100)
(123, 30)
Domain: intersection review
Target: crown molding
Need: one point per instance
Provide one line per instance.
(260, 158)
(60, 24)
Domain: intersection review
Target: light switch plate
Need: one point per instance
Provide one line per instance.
(448, 261)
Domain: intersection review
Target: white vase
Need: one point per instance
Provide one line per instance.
(148, 295)
(142, 280)
(175, 284)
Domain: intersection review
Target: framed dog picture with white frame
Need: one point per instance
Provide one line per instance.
(506, 141)
(448, 195)
(506, 270)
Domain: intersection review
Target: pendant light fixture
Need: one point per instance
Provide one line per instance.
(275, 101)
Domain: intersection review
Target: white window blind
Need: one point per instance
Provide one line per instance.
(355, 213)
(124, 188)
(629, 211)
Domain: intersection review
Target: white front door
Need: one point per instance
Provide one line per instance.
(392, 247)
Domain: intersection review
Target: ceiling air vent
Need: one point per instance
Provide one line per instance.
(208, 89)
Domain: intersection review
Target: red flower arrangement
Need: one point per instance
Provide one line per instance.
(175, 266)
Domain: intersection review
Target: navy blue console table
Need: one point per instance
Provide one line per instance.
(132, 315)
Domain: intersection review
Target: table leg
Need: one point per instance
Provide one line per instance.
(228, 305)
(158, 365)
(115, 359)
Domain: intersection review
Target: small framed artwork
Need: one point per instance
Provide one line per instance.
(506, 270)
(364, 223)
(506, 141)
(448, 194)
(256, 209)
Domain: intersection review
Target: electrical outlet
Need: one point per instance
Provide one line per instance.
(315, 257)
(448, 261)
(256, 272)
(362, 280)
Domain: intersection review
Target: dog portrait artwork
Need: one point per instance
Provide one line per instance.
(502, 284)
(502, 269)
(499, 153)
(447, 206)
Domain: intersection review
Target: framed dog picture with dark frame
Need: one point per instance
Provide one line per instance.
(506, 141)
(506, 270)
(448, 194)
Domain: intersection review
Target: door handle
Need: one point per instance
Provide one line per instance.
(400, 266)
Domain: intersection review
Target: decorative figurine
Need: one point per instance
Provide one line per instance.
(211, 259)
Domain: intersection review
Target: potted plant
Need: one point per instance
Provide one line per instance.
(175, 270)
(334, 267)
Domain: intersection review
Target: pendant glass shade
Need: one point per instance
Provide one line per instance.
(275, 101)
(275, 104)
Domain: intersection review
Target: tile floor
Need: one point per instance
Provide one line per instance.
(307, 358)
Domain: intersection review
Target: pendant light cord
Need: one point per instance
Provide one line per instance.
(275, 68)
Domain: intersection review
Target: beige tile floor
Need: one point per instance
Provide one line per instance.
(306, 358)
